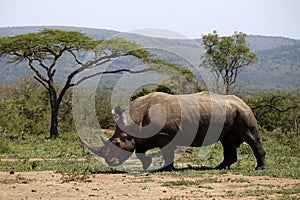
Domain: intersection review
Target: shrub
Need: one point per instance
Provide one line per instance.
(25, 110)
(276, 111)
(103, 108)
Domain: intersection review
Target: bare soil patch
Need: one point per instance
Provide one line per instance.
(51, 185)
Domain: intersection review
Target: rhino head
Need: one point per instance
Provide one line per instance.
(116, 149)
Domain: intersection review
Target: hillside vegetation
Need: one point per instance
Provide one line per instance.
(278, 67)
(25, 148)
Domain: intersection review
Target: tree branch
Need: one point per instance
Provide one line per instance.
(38, 74)
(41, 63)
(90, 64)
(274, 107)
(41, 82)
(234, 76)
(75, 57)
(110, 72)
(271, 104)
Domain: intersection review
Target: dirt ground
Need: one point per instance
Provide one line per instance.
(50, 185)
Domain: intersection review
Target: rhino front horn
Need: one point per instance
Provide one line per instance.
(96, 150)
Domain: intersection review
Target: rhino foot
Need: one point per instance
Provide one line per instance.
(222, 166)
(262, 167)
(168, 168)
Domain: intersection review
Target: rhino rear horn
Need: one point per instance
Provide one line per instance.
(117, 112)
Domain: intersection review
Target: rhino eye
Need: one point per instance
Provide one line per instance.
(116, 142)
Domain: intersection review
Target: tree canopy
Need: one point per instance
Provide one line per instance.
(42, 50)
(226, 56)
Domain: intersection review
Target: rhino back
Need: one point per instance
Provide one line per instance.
(189, 117)
(183, 113)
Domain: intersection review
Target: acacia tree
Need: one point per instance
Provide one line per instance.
(226, 56)
(43, 50)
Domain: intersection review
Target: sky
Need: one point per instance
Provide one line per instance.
(191, 18)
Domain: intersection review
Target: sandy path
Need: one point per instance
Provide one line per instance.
(50, 185)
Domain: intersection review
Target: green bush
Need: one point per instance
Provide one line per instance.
(25, 110)
(141, 93)
(103, 108)
(66, 121)
(276, 111)
(4, 148)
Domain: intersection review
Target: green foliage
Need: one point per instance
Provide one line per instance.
(226, 55)
(4, 148)
(276, 111)
(179, 80)
(45, 44)
(122, 46)
(42, 51)
(171, 85)
(141, 93)
(25, 110)
(36, 146)
(168, 68)
(65, 116)
(103, 109)
(282, 157)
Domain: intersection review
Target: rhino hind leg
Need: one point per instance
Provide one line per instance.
(168, 156)
(230, 154)
(253, 139)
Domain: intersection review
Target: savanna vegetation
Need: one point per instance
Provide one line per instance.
(24, 134)
(25, 144)
(44, 51)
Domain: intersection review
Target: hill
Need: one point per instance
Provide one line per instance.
(93, 33)
(278, 67)
(261, 43)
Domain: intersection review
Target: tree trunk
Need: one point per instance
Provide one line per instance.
(54, 103)
(54, 121)
(227, 86)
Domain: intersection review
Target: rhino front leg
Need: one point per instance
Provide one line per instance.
(146, 160)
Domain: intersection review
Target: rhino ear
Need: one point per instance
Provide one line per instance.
(117, 112)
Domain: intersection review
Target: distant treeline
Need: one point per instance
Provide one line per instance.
(25, 110)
